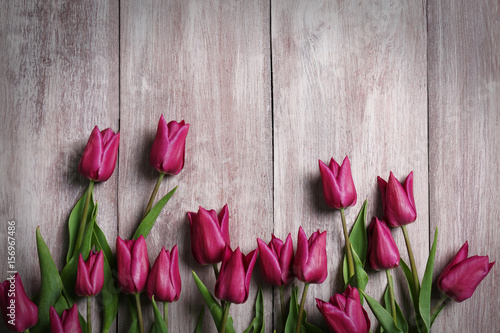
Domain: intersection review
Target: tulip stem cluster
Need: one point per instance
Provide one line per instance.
(139, 312)
(391, 294)
(81, 231)
(301, 309)
(153, 195)
(350, 262)
(89, 314)
(224, 317)
(412, 260)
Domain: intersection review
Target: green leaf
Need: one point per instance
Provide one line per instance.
(132, 310)
(310, 328)
(100, 241)
(159, 324)
(424, 299)
(437, 312)
(213, 306)
(75, 218)
(51, 286)
(110, 293)
(293, 313)
(383, 317)
(199, 323)
(258, 322)
(360, 278)
(402, 324)
(69, 272)
(147, 224)
(358, 239)
(411, 284)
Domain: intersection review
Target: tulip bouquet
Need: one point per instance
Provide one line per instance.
(92, 270)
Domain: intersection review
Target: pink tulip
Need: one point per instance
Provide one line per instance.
(462, 275)
(99, 157)
(90, 275)
(209, 235)
(18, 311)
(167, 153)
(164, 280)
(338, 186)
(133, 264)
(67, 323)
(382, 250)
(310, 263)
(233, 282)
(344, 313)
(398, 201)
(276, 261)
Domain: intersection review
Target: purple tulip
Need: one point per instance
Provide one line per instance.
(133, 264)
(276, 261)
(18, 311)
(164, 280)
(99, 157)
(209, 235)
(344, 313)
(338, 186)
(90, 275)
(462, 275)
(382, 250)
(310, 263)
(398, 201)
(67, 323)
(167, 153)
(233, 282)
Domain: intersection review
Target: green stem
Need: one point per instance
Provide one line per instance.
(216, 271)
(412, 260)
(153, 195)
(439, 305)
(81, 231)
(301, 309)
(89, 314)
(139, 312)
(350, 262)
(283, 309)
(27, 331)
(165, 313)
(391, 294)
(224, 318)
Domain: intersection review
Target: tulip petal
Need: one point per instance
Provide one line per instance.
(160, 145)
(269, 264)
(71, 321)
(329, 185)
(97, 273)
(109, 157)
(56, 325)
(459, 257)
(301, 255)
(315, 271)
(92, 155)
(224, 223)
(230, 285)
(173, 162)
(175, 275)
(207, 240)
(83, 287)
(348, 195)
(382, 185)
(286, 260)
(124, 259)
(408, 185)
(139, 267)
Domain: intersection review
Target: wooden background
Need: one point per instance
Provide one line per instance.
(269, 87)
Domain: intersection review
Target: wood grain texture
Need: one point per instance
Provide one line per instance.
(207, 62)
(464, 122)
(58, 77)
(349, 79)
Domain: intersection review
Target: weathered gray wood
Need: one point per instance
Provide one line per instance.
(206, 62)
(58, 78)
(349, 79)
(464, 122)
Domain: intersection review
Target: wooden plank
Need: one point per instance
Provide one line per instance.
(206, 62)
(464, 110)
(58, 78)
(347, 81)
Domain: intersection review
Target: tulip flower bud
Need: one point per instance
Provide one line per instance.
(167, 153)
(462, 275)
(209, 235)
(18, 311)
(398, 201)
(276, 261)
(344, 313)
(99, 157)
(90, 275)
(67, 323)
(382, 250)
(132, 264)
(164, 280)
(233, 282)
(338, 186)
(310, 263)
